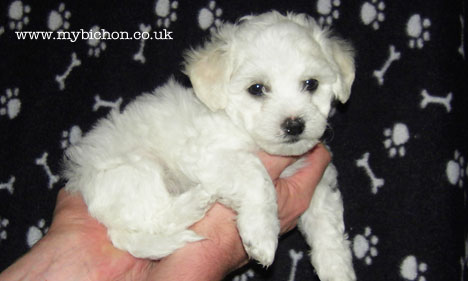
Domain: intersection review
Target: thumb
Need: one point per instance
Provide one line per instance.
(307, 177)
(275, 164)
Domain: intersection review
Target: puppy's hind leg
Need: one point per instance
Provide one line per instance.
(141, 215)
(323, 227)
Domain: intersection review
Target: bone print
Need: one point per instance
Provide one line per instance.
(394, 55)
(245, 276)
(102, 103)
(61, 78)
(42, 161)
(427, 99)
(9, 185)
(295, 258)
(376, 182)
(139, 55)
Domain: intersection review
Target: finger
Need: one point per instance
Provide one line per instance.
(275, 164)
(69, 205)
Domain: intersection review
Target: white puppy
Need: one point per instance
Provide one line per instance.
(265, 83)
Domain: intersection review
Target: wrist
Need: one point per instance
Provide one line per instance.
(40, 263)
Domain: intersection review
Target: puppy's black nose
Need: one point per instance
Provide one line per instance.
(293, 126)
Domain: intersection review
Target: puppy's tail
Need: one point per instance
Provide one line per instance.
(152, 246)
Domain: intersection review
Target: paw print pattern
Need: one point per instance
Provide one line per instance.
(71, 136)
(18, 15)
(396, 138)
(372, 13)
(10, 104)
(166, 12)
(209, 17)
(36, 232)
(3, 233)
(328, 10)
(455, 169)
(417, 30)
(413, 270)
(96, 46)
(58, 19)
(364, 246)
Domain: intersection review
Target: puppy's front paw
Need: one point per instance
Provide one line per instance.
(343, 275)
(336, 268)
(260, 248)
(260, 237)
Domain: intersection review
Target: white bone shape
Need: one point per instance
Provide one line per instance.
(376, 182)
(245, 276)
(103, 103)
(42, 161)
(9, 185)
(427, 99)
(295, 258)
(139, 55)
(394, 55)
(61, 78)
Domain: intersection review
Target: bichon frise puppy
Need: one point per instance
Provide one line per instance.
(264, 83)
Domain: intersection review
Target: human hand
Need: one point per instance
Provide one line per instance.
(294, 193)
(77, 247)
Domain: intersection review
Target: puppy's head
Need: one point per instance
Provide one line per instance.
(274, 75)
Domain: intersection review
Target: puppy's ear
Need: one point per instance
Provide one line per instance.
(339, 53)
(342, 55)
(209, 69)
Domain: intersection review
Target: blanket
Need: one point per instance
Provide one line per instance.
(400, 143)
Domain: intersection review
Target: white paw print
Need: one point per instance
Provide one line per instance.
(2, 30)
(396, 139)
(166, 12)
(412, 270)
(3, 224)
(10, 104)
(244, 276)
(209, 17)
(417, 30)
(455, 169)
(372, 13)
(96, 46)
(71, 136)
(18, 14)
(58, 19)
(36, 232)
(364, 246)
(328, 10)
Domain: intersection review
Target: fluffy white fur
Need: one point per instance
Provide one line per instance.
(151, 171)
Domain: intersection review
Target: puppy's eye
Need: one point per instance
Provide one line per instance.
(256, 90)
(311, 85)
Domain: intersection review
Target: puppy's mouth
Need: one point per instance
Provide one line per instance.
(291, 139)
